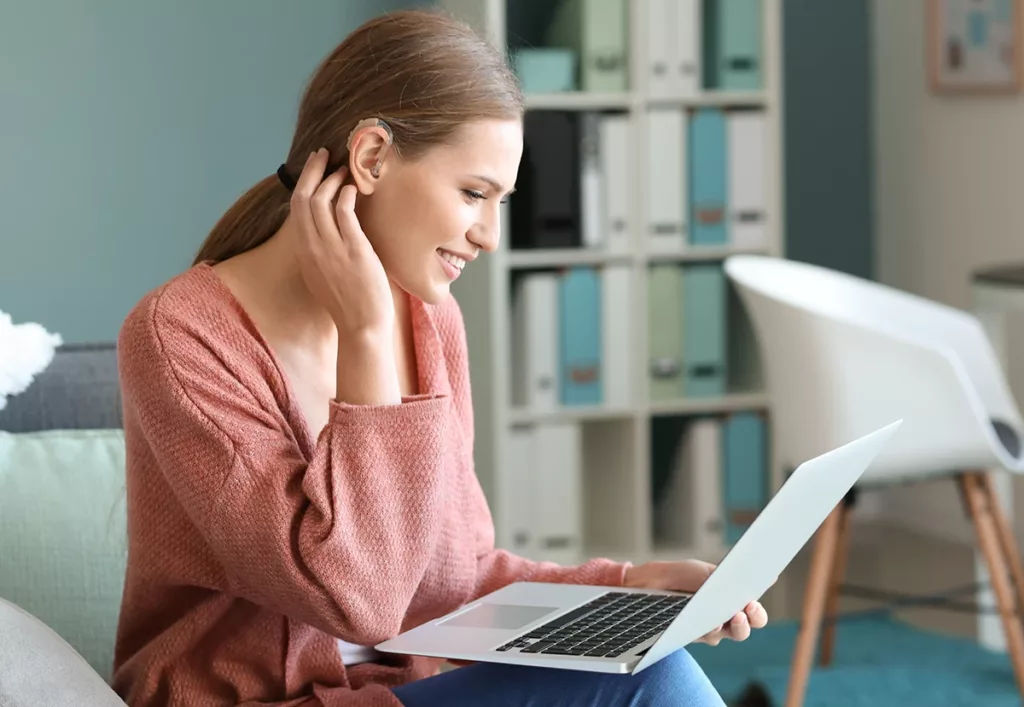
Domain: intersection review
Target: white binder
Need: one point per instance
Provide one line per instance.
(558, 491)
(535, 342)
(746, 145)
(591, 182)
(666, 179)
(616, 335)
(515, 525)
(614, 150)
(701, 456)
(660, 37)
(689, 513)
(685, 30)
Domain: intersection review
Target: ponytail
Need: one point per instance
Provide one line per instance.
(251, 221)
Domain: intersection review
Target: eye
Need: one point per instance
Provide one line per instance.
(473, 195)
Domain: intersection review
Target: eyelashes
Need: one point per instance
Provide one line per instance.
(473, 195)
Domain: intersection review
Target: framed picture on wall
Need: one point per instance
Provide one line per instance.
(974, 46)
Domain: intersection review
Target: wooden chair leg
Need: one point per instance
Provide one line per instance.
(1007, 541)
(982, 513)
(814, 607)
(828, 637)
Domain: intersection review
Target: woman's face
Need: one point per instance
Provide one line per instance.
(428, 219)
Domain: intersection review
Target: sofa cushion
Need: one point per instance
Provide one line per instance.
(37, 667)
(62, 533)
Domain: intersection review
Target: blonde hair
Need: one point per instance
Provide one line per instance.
(422, 71)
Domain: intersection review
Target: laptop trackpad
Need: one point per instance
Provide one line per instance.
(501, 616)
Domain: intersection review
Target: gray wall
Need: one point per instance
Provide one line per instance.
(828, 137)
(127, 128)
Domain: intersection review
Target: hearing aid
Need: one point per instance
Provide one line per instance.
(374, 123)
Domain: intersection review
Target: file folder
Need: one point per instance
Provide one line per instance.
(617, 335)
(591, 177)
(615, 171)
(685, 58)
(545, 70)
(704, 312)
(746, 138)
(745, 477)
(535, 361)
(660, 52)
(665, 303)
(701, 452)
(666, 179)
(733, 46)
(597, 30)
(708, 181)
(558, 491)
(580, 336)
(545, 210)
(740, 44)
(515, 524)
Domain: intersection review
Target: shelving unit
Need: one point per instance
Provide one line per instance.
(616, 449)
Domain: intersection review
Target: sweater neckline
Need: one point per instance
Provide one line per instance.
(431, 371)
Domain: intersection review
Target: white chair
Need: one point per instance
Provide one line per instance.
(842, 356)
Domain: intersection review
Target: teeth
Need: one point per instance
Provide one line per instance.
(453, 259)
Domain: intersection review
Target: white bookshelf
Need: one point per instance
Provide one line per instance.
(617, 511)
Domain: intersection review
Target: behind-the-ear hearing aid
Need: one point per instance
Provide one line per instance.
(374, 123)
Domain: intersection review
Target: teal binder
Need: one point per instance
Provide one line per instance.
(579, 326)
(740, 45)
(733, 50)
(745, 472)
(705, 312)
(546, 70)
(708, 180)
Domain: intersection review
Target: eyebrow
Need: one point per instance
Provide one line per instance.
(494, 184)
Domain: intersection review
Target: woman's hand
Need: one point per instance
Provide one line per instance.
(338, 263)
(687, 576)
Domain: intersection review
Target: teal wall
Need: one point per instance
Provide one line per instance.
(127, 128)
(827, 133)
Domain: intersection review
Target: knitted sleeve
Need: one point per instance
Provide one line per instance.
(331, 541)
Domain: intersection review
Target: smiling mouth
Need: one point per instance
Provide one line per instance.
(455, 260)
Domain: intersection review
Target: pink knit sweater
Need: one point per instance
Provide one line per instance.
(255, 543)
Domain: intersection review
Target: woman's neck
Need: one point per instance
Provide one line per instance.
(270, 279)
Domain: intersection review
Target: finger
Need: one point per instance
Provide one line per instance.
(305, 187)
(712, 639)
(312, 174)
(322, 208)
(756, 615)
(345, 212)
(739, 627)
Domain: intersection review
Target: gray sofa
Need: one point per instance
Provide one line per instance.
(62, 533)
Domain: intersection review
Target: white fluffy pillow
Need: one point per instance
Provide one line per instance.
(25, 351)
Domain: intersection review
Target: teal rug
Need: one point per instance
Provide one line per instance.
(877, 662)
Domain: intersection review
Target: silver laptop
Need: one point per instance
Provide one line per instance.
(613, 630)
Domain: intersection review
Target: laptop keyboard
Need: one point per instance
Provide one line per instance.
(607, 627)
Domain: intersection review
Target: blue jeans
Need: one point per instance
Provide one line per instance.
(675, 681)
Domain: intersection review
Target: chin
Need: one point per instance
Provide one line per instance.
(436, 294)
(430, 291)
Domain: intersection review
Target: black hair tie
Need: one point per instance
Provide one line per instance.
(285, 179)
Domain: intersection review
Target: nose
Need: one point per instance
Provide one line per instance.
(487, 235)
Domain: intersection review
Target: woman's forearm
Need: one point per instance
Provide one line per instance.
(367, 374)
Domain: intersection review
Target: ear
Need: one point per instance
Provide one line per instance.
(366, 158)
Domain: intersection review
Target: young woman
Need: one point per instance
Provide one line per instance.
(298, 412)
